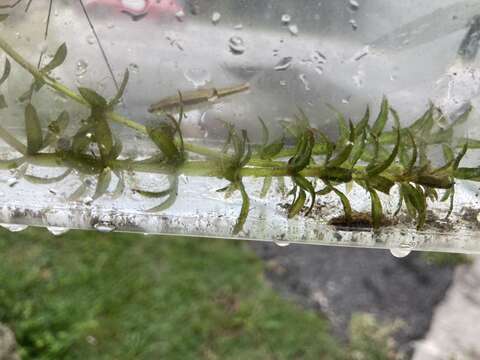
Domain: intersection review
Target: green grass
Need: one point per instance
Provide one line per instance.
(447, 259)
(87, 295)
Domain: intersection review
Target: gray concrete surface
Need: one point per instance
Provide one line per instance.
(455, 329)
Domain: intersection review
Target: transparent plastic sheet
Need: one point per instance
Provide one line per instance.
(224, 64)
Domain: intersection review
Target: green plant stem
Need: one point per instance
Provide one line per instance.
(113, 116)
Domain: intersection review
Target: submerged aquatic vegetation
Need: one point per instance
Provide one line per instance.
(365, 153)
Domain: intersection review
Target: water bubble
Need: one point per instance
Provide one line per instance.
(91, 39)
(216, 16)
(293, 29)
(286, 19)
(180, 15)
(110, 25)
(236, 45)
(132, 67)
(319, 70)
(88, 200)
(478, 217)
(104, 227)
(14, 227)
(282, 243)
(284, 64)
(197, 76)
(283, 83)
(353, 23)
(81, 67)
(238, 27)
(57, 230)
(354, 5)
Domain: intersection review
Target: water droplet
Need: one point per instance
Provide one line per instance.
(283, 83)
(238, 27)
(286, 19)
(135, 5)
(293, 29)
(57, 230)
(353, 23)
(303, 79)
(104, 227)
(81, 67)
(284, 64)
(345, 101)
(180, 15)
(478, 217)
(197, 76)
(216, 16)
(88, 200)
(358, 78)
(91, 39)
(354, 5)
(282, 243)
(110, 25)
(401, 252)
(236, 45)
(319, 70)
(12, 182)
(14, 227)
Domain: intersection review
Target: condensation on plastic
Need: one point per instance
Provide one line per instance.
(300, 53)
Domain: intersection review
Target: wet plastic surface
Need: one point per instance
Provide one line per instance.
(292, 54)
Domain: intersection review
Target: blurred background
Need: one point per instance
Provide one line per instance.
(87, 295)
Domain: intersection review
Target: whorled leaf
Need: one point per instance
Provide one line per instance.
(303, 153)
(358, 148)
(377, 209)
(118, 96)
(344, 154)
(307, 186)
(44, 181)
(382, 118)
(57, 60)
(163, 137)
(103, 182)
(83, 138)
(381, 183)
(347, 208)
(416, 203)
(104, 138)
(245, 209)
(92, 97)
(298, 204)
(171, 196)
(377, 168)
(33, 130)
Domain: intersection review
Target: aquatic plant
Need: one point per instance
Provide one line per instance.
(367, 153)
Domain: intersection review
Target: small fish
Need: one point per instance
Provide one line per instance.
(189, 98)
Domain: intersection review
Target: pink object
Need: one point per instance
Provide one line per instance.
(139, 7)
